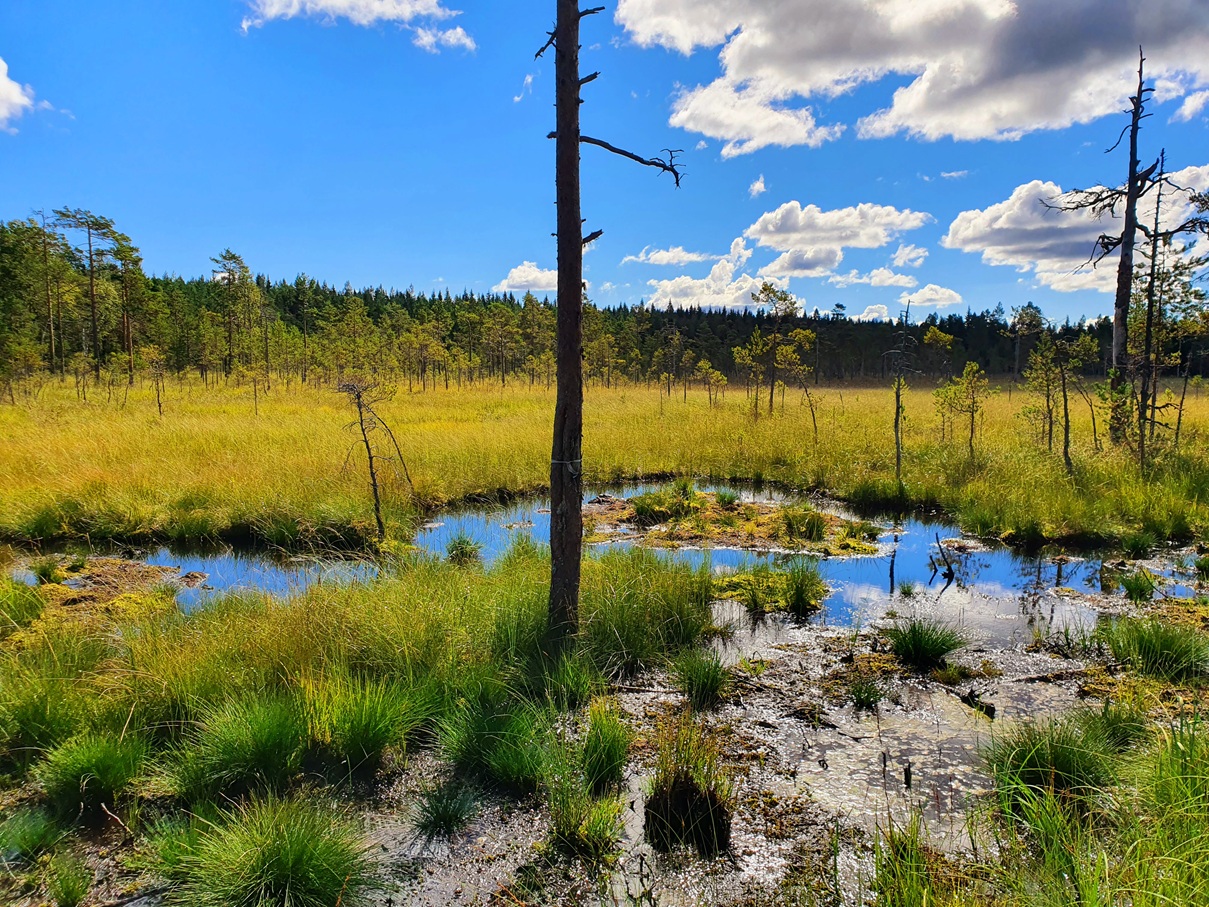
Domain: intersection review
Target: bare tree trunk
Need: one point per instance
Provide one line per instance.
(566, 460)
(1065, 421)
(1120, 317)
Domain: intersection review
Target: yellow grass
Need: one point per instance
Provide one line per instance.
(212, 467)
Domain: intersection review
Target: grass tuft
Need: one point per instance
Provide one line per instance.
(277, 853)
(700, 675)
(351, 722)
(689, 800)
(463, 551)
(444, 809)
(1174, 653)
(1139, 585)
(28, 834)
(1068, 758)
(89, 773)
(605, 746)
(866, 692)
(923, 643)
(240, 746)
(68, 880)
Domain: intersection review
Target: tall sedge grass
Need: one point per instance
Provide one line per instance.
(923, 643)
(1168, 651)
(221, 471)
(89, 773)
(276, 853)
(690, 793)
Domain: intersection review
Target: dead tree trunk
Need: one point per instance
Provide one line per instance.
(566, 457)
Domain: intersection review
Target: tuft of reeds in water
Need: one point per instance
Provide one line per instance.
(923, 643)
(277, 853)
(497, 738)
(87, 774)
(700, 675)
(1066, 758)
(20, 605)
(866, 693)
(463, 551)
(444, 809)
(690, 795)
(1139, 586)
(1168, 651)
(582, 823)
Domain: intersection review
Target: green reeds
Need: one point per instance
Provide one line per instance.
(27, 834)
(690, 795)
(68, 880)
(86, 775)
(605, 746)
(923, 643)
(700, 675)
(277, 853)
(444, 809)
(1170, 652)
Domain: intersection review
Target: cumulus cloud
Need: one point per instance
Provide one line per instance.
(865, 226)
(879, 277)
(873, 313)
(677, 255)
(527, 276)
(433, 39)
(757, 188)
(931, 295)
(976, 69)
(415, 14)
(908, 256)
(1055, 246)
(723, 288)
(15, 98)
(810, 262)
(1192, 107)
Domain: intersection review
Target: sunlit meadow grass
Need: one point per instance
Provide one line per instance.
(212, 468)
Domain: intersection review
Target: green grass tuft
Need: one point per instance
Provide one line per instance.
(86, 774)
(20, 605)
(923, 643)
(866, 693)
(690, 796)
(351, 722)
(240, 746)
(700, 675)
(27, 834)
(444, 809)
(1067, 758)
(582, 824)
(463, 551)
(605, 746)
(68, 880)
(1170, 652)
(1139, 585)
(277, 853)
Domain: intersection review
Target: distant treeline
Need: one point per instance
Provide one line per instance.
(74, 300)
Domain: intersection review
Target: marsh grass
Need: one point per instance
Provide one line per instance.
(277, 853)
(222, 471)
(1139, 586)
(444, 809)
(20, 605)
(244, 745)
(690, 794)
(798, 589)
(499, 739)
(351, 722)
(582, 823)
(605, 746)
(1167, 651)
(923, 643)
(29, 833)
(802, 524)
(1201, 567)
(463, 551)
(700, 675)
(87, 774)
(68, 880)
(1066, 758)
(866, 692)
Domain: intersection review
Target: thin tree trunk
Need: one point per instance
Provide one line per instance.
(566, 460)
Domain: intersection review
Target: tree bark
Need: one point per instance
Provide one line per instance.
(566, 459)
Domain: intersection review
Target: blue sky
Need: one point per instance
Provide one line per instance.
(860, 154)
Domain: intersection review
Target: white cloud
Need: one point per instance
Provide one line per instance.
(932, 295)
(723, 288)
(757, 188)
(526, 88)
(954, 174)
(873, 313)
(527, 276)
(701, 145)
(1192, 106)
(879, 277)
(908, 256)
(608, 287)
(866, 226)
(810, 262)
(15, 98)
(975, 69)
(369, 12)
(1055, 246)
(677, 255)
(433, 39)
